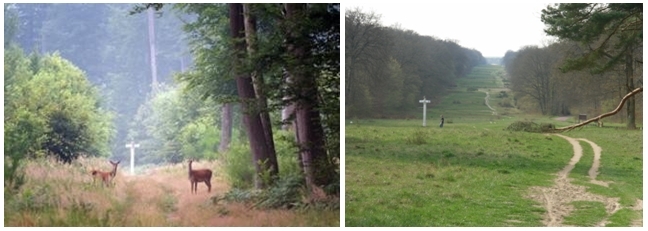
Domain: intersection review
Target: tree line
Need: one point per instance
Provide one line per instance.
(388, 69)
(589, 69)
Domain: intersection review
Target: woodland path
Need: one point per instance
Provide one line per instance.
(557, 199)
(165, 196)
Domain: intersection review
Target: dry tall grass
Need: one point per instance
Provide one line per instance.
(64, 195)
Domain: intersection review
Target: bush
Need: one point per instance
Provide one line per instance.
(471, 89)
(502, 94)
(530, 127)
(505, 103)
(238, 166)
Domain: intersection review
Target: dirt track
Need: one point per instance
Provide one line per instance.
(557, 198)
(487, 104)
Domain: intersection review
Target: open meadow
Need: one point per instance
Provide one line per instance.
(56, 194)
(475, 172)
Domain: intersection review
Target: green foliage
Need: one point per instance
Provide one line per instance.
(51, 106)
(286, 193)
(200, 139)
(594, 24)
(175, 125)
(238, 166)
(237, 161)
(389, 69)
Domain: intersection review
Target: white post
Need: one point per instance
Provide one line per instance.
(424, 102)
(132, 147)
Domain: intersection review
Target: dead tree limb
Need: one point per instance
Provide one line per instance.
(618, 108)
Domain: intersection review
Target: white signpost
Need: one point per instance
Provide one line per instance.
(424, 102)
(132, 147)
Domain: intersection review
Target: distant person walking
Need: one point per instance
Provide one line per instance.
(441, 124)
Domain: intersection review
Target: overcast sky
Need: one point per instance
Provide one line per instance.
(491, 28)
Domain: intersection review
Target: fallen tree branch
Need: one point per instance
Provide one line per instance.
(618, 108)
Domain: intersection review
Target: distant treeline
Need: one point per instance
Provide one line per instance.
(389, 69)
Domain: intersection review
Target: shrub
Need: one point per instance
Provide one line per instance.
(505, 103)
(238, 168)
(530, 127)
(471, 89)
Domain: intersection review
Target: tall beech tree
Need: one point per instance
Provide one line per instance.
(262, 158)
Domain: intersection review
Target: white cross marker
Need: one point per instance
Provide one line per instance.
(132, 147)
(424, 102)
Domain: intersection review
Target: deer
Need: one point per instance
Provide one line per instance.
(199, 175)
(106, 177)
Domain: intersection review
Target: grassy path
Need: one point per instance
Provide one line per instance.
(65, 195)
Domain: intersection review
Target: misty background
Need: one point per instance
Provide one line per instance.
(112, 47)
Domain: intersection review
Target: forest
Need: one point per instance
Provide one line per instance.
(588, 70)
(254, 87)
(389, 69)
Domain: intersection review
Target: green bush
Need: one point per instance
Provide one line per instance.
(238, 166)
(530, 127)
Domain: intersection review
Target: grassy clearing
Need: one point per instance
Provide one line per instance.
(65, 195)
(472, 172)
(463, 175)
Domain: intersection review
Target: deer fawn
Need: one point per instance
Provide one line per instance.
(106, 177)
(199, 175)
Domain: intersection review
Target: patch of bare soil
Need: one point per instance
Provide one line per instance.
(638, 206)
(487, 104)
(557, 198)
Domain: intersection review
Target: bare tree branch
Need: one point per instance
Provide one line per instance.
(626, 97)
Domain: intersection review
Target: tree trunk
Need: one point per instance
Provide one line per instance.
(251, 117)
(226, 127)
(288, 111)
(310, 135)
(257, 80)
(151, 34)
(630, 106)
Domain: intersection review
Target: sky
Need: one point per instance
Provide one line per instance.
(491, 28)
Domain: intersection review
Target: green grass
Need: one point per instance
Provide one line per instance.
(462, 176)
(586, 213)
(472, 172)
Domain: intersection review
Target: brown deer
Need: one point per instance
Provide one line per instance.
(199, 175)
(106, 177)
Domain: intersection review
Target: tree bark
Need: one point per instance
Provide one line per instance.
(630, 107)
(259, 85)
(226, 127)
(310, 134)
(251, 118)
(625, 98)
(151, 34)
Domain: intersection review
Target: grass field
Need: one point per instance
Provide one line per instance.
(473, 172)
(55, 194)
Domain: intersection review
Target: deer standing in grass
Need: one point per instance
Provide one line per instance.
(106, 177)
(199, 175)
